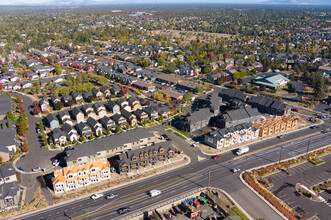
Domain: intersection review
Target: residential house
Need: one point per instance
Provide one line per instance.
(141, 115)
(110, 146)
(134, 103)
(58, 136)
(123, 104)
(67, 100)
(15, 78)
(107, 123)
(64, 117)
(131, 118)
(88, 111)
(9, 187)
(100, 109)
(70, 132)
(52, 122)
(196, 120)
(151, 112)
(164, 111)
(87, 96)
(77, 114)
(133, 160)
(96, 93)
(44, 105)
(113, 107)
(27, 84)
(83, 129)
(95, 126)
(77, 97)
(119, 119)
(115, 90)
(55, 100)
(32, 76)
(8, 144)
(105, 91)
(232, 135)
(83, 174)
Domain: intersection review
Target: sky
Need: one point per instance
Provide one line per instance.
(91, 2)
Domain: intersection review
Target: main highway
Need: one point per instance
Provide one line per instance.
(194, 176)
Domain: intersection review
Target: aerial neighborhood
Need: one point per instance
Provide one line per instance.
(100, 100)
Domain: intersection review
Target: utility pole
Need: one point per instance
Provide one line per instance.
(280, 156)
(308, 146)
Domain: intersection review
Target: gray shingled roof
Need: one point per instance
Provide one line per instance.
(5, 104)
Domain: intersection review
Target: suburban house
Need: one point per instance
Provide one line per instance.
(55, 99)
(105, 91)
(115, 90)
(273, 81)
(196, 120)
(27, 84)
(134, 103)
(83, 129)
(77, 97)
(141, 115)
(96, 93)
(164, 111)
(87, 96)
(124, 104)
(131, 118)
(151, 112)
(52, 122)
(100, 109)
(134, 159)
(109, 146)
(119, 119)
(44, 104)
(58, 136)
(95, 126)
(8, 144)
(232, 135)
(88, 111)
(70, 132)
(269, 105)
(113, 107)
(238, 116)
(80, 175)
(9, 187)
(77, 114)
(67, 100)
(64, 117)
(107, 123)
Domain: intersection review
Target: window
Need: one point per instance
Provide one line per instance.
(7, 178)
(98, 154)
(70, 176)
(134, 158)
(79, 160)
(149, 139)
(74, 161)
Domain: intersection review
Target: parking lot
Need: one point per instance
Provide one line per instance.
(309, 175)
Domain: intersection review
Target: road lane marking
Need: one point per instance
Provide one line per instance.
(98, 212)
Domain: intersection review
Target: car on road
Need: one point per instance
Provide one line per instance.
(22, 156)
(55, 162)
(295, 110)
(216, 157)
(36, 169)
(123, 210)
(111, 196)
(328, 190)
(20, 168)
(96, 196)
(281, 136)
(194, 145)
(235, 170)
(325, 131)
(314, 126)
(38, 130)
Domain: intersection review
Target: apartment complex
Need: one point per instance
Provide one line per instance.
(276, 125)
(84, 174)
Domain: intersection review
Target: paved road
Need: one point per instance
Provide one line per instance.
(184, 179)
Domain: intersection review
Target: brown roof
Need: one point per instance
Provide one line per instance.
(169, 78)
(143, 84)
(173, 94)
(189, 84)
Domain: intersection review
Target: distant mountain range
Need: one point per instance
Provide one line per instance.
(132, 2)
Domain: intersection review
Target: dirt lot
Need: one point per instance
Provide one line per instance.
(191, 35)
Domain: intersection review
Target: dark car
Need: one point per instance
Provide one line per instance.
(111, 196)
(172, 212)
(20, 168)
(295, 109)
(314, 126)
(22, 156)
(328, 190)
(325, 131)
(177, 210)
(123, 210)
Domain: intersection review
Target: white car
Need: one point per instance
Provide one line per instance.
(96, 196)
(36, 169)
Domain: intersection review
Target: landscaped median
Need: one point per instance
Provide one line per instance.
(255, 179)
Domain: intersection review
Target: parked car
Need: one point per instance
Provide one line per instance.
(38, 130)
(20, 168)
(281, 136)
(96, 196)
(235, 170)
(123, 210)
(22, 156)
(325, 131)
(294, 109)
(55, 162)
(314, 126)
(36, 169)
(111, 196)
(328, 190)
(216, 157)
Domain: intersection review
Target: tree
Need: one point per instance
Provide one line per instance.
(36, 110)
(58, 69)
(117, 129)
(168, 98)
(25, 147)
(18, 98)
(3, 125)
(207, 69)
(5, 69)
(291, 87)
(58, 106)
(198, 89)
(1, 86)
(187, 97)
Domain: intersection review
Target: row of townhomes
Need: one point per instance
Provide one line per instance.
(9, 187)
(75, 176)
(88, 162)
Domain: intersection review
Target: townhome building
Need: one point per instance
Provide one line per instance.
(131, 118)
(80, 175)
(83, 129)
(113, 107)
(88, 111)
(59, 137)
(95, 126)
(77, 114)
(107, 123)
(70, 132)
(52, 122)
(99, 109)
(9, 187)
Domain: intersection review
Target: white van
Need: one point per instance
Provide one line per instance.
(242, 150)
(154, 192)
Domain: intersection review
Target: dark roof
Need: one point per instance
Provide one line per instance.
(57, 133)
(110, 104)
(242, 113)
(228, 94)
(75, 94)
(81, 126)
(75, 111)
(108, 143)
(50, 118)
(150, 109)
(103, 89)
(92, 122)
(138, 112)
(105, 120)
(63, 113)
(5, 104)
(126, 113)
(198, 116)
(163, 109)
(7, 170)
(67, 128)
(116, 117)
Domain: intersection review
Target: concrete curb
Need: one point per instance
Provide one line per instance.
(109, 188)
(260, 196)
